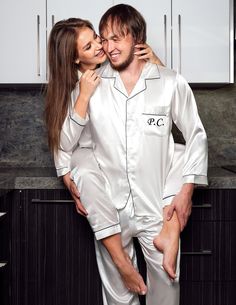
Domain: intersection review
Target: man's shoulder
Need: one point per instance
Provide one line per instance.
(167, 72)
(159, 72)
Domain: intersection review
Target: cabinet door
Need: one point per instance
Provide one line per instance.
(56, 252)
(201, 40)
(22, 36)
(157, 14)
(61, 9)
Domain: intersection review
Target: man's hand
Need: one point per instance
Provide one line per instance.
(75, 194)
(182, 204)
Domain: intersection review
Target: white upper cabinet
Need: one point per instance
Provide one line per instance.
(22, 40)
(192, 37)
(88, 9)
(201, 40)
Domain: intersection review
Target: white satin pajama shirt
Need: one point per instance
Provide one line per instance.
(132, 140)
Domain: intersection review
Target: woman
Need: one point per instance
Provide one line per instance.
(74, 45)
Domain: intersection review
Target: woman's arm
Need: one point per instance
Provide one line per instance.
(77, 116)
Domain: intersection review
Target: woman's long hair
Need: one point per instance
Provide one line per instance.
(63, 75)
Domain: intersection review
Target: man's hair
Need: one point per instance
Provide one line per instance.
(126, 19)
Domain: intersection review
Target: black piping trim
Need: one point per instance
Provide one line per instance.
(168, 196)
(107, 227)
(75, 121)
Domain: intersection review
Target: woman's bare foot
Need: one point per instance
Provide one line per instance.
(130, 276)
(168, 243)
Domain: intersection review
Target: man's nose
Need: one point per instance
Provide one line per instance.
(110, 46)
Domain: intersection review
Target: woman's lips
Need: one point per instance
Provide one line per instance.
(100, 53)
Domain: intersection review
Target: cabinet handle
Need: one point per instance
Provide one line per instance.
(52, 201)
(3, 264)
(203, 252)
(179, 27)
(202, 206)
(38, 45)
(53, 20)
(2, 214)
(165, 37)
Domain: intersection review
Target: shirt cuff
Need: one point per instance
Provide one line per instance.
(77, 119)
(196, 179)
(103, 233)
(167, 200)
(61, 171)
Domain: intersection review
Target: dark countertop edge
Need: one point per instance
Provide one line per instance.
(45, 178)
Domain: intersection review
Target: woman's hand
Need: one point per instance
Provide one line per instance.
(74, 193)
(88, 83)
(145, 52)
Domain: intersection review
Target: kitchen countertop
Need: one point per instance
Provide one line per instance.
(45, 178)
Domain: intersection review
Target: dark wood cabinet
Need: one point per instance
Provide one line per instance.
(51, 261)
(5, 246)
(208, 243)
(54, 264)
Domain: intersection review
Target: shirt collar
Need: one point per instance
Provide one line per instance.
(150, 71)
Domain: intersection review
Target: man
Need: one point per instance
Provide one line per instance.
(131, 114)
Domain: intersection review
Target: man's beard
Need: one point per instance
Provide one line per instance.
(126, 63)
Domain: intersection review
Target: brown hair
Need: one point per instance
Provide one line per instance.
(63, 75)
(127, 19)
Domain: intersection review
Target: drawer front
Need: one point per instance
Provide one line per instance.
(4, 236)
(208, 251)
(197, 251)
(4, 287)
(215, 205)
(207, 293)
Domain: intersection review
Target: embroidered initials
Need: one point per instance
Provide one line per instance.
(156, 122)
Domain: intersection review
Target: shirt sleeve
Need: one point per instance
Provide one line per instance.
(62, 161)
(185, 116)
(72, 126)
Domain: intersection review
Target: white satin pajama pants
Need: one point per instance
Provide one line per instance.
(105, 220)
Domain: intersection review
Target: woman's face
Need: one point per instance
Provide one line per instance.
(89, 49)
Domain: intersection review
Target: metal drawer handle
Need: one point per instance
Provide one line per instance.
(52, 201)
(203, 252)
(202, 206)
(3, 264)
(2, 214)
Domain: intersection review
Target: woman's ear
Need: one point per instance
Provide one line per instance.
(77, 61)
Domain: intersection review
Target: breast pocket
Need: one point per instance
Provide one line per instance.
(156, 121)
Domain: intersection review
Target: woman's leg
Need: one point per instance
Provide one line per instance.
(167, 242)
(168, 239)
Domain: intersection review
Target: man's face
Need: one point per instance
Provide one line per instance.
(118, 48)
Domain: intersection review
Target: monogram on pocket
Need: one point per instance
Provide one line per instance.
(156, 122)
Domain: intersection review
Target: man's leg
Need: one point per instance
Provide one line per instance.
(114, 290)
(161, 289)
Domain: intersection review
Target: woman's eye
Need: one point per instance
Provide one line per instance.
(88, 47)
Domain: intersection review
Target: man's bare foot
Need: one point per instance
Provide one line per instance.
(168, 243)
(130, 276)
